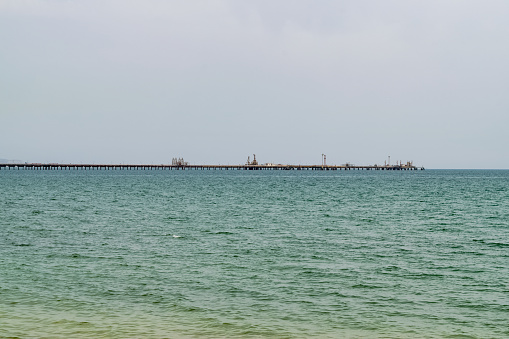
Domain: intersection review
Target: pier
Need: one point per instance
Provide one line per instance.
(184, 167)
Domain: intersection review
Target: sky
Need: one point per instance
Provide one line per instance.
(216, 81)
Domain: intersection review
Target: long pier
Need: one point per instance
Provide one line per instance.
(56, 166)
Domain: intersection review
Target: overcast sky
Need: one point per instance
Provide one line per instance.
(112, 81)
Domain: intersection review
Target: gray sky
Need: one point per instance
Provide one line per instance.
(112, 81)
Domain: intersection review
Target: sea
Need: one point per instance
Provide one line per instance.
(254, 254)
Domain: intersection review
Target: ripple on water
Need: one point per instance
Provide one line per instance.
(292, 255)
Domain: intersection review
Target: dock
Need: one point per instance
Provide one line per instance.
(187, 167)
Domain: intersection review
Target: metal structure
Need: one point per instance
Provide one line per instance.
(252, 163)
(347, 167)
(180, 164)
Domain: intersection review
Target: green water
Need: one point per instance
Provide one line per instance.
(241, 254)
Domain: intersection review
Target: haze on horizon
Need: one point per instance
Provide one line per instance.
(110, 81)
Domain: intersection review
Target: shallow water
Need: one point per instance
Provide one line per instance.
(242, 254)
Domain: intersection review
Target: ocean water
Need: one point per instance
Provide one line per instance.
(254, 254)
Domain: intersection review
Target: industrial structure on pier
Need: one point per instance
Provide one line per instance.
(180, 164)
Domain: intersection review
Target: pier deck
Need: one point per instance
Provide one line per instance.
(56, 166)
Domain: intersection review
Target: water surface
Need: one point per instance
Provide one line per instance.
(254, 254)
